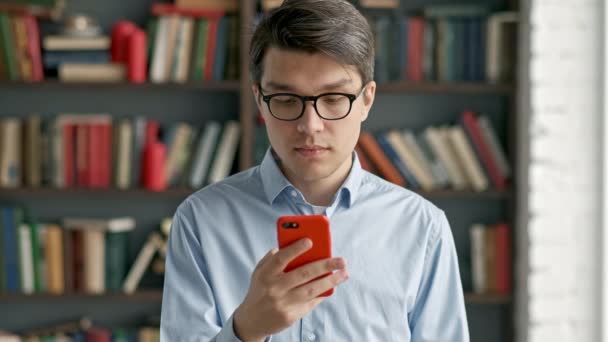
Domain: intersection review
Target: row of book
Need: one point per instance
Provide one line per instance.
(84, 330)
(491, 258)
(445, 44)
(182, 44)
(192, 45)
(465, 156)
(79, 255)
(95, 151)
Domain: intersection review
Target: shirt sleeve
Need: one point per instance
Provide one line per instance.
(439, 312)
(189, 311)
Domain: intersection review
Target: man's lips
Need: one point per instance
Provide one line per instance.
(311, 151)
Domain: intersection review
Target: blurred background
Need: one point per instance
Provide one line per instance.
(113, 112)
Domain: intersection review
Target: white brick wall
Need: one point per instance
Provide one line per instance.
(559, 235)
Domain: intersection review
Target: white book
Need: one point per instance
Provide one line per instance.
(173, 25)
(405, 154)
(477, 236)
(94, 246)
(204, 153)
(152, 245)
(467, 159)
(224, 158)
(26, 259)
(499, 44)
(410, 140)
(124, 157)
(439, 145)
(160, 52)
(184, 50)
(488, 134)
(177, 144)
(114, 225)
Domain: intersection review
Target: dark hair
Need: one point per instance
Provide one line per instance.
(332, 27)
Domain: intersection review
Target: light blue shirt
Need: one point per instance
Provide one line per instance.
(404, 282)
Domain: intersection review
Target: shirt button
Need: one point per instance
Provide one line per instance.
(312, 337)
(294, 193)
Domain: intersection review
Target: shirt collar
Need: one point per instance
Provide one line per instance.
(274, 182)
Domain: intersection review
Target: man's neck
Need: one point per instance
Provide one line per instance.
(321, 192)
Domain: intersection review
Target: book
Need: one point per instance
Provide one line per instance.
(500, 53)
(65, 42)
(467, 159)
(226, 152)
(488, 134)
(477, 238)
(142, 261)
(10, 153)
(87, 72)
(385, 168)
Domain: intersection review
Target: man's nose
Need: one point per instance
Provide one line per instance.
(310, 122)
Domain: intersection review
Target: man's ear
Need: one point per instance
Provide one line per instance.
(368, 99)
(256, 95)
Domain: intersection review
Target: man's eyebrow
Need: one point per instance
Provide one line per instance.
(276, 86)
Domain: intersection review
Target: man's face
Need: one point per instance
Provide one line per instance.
(311, 148)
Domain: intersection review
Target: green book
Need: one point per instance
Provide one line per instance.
(200, 50)
(36, 257)
(116, 259)
(151, 31)
(8, 47)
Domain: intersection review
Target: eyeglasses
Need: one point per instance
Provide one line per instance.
(329, 106)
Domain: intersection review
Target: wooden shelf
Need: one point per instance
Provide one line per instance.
(184, 192)
(157, 295)
(232, 86)
(144, 295)
(43, 192)
(456, 87)
(487, 299)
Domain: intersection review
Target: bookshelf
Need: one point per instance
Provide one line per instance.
(156, 296)
(426, 103)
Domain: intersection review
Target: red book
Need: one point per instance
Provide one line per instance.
(365, 163)
(471, 127)
(415, 49)
(98, 335)
(503, 259)
(137, 57)
(121, 31)
(211, 46)
(33, 46)
(386, 169)
(105, 174)
(69, 136)
(159, 9)
(82, 153)
(94, 155)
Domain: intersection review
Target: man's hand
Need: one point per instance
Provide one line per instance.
(276, 299)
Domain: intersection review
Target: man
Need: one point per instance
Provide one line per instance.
(396, 274)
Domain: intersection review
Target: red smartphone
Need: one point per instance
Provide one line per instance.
(315, 227)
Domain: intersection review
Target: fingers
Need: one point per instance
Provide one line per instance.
(285, 255)
(313, 289)
(313, 270)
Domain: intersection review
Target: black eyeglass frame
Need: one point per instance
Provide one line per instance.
(304, 99)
